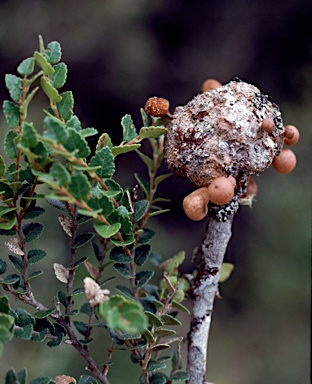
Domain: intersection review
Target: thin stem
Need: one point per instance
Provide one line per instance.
(210, 254)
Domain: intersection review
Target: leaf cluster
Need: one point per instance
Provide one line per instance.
(82, 188)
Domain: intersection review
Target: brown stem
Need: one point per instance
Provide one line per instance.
(71, 262)
(210, 254)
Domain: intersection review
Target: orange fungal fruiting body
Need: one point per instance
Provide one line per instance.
(221, 190)
(157, 107)
(210, 85)
(268, 125)
(291, 135)
(195, 204)
(285, 162)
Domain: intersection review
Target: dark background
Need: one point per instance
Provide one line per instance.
(119, 53)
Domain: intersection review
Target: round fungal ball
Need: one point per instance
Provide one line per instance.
(157, 107)
(210, 85)
(221, 190)
(195, 205)
(291, 135)
(268, 125)
(218, 133)
(285, 162)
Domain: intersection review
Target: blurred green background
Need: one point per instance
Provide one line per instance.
(119, 53)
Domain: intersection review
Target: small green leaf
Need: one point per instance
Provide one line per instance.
(161, 178)
(158, 212)
(81, 327)
(24, 105)
(22, 376)
(147, 160)
(60, 174)
(17, 262)
(34, 275)
(152, 132)
(7, 220)
(102, 204)
(15, 86)
(180, 376)
(87, 132)
(26, 67)
(87, 380)
(3, 267)
(55, 129)
(5, 305)
(127, 239)
(10, 145)
(129, 130)
(146, 236)
(170, 320)
(142, 253)
(143, 277)
(53, 52)
(32, 230)
(44, 314)
(24, 333)
(106, 231)
(29, 135)
(58, 78)
(65, 105)
(154, 365)
(180, 307)
(104, 141)
(123, 270)
(33, 212)
(11, 377)
(6, 190)
(121, 215)
(118, 150)
(158, 378)
(164, 332)
(145, 118)
(118, 255)
(82, 238)
(225, 272)
(153, 319)
(36, 255)
(140, 208)
(80, 186)
(11, 279)
(105, 159)
(49, 90)
(148, 336)
(114, 188)
(11, 113)
(22, 317)
(43, 63)
(58, 204)
(123, 315)
(125, 291)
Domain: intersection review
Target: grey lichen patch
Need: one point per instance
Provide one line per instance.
(218, 133)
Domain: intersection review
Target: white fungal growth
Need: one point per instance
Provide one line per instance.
(218, 133)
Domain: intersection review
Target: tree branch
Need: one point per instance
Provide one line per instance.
(210, 256)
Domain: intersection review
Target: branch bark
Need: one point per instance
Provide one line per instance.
(209, 256)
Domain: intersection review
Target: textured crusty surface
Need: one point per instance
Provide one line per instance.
(218, 133)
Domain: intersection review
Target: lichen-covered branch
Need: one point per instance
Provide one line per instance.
(209, 256)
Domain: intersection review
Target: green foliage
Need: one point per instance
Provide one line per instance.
(95, 208)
